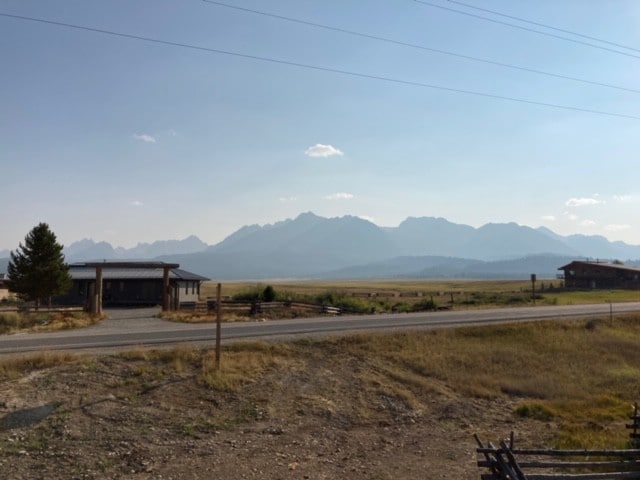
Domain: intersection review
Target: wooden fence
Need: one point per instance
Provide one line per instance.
(255, 308)
(505, 462)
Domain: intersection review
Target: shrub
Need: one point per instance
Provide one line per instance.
(401, 307)
(536, 411)
(257, 293)
(10, 320)
(424, 305)
(345, 302)
(268, 294)
(248, 295)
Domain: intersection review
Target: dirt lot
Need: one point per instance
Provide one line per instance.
(311, 418)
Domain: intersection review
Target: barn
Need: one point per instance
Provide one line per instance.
(132, 283)
(589, 274)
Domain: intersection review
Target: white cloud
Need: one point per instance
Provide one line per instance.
(287, 199)
(137, 203)
(633, 198)
(582, 202)
(144, 137)
(617, 227)
(588, 223)
(571, 216)
(339, 196)
(322, 151)
(549, 218)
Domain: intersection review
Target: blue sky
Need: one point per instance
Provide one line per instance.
(129, 141)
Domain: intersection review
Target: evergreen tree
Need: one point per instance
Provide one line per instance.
(269, 294)
(37, 270)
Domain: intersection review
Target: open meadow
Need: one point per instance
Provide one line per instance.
(394, 295)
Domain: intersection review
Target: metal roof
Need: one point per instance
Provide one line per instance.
(124, 264)
(84, 272)
(613, 266)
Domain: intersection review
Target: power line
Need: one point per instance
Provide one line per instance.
(539, 24)
(420, 47)
(527, 29)
(319, 68)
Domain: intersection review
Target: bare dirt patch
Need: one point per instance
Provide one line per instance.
(312, 414)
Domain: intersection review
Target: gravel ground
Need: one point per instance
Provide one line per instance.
(115, 418)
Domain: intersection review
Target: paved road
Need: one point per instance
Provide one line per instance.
(139, 327)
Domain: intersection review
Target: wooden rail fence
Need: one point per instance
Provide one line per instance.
(505, 462)
(257, 307)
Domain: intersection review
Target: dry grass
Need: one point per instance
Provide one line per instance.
(187, 317)
(584, 375)
(381, 287)
(243, 363)
(581, 375)
(44, 321)
(15, 367)
(227, 317)
(590, 296)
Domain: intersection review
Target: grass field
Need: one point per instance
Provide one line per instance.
(384, 294)
(582, 375)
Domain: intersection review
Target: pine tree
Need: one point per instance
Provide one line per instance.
(37, 270)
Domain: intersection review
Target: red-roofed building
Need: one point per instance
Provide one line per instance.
(585, 274)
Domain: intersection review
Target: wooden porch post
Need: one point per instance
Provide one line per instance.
(98, 294)
(91, 299)
(165, 290)
(176, 297)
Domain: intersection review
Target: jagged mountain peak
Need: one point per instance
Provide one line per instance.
(311, 245)
(88, 249)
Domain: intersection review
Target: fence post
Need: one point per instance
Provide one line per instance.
(533, 287)
(218, 323)
(610, 311)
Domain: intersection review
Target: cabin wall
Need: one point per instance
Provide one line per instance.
(591, 276)
(188, 291)
(129, 292)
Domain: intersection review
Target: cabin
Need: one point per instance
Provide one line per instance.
(596, 275)
(132, 284)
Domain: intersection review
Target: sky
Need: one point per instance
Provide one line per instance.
(231, 117)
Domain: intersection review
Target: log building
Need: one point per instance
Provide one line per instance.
(586, 274)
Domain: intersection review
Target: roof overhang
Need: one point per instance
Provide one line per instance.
(127, 265)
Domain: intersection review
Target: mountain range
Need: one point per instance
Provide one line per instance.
(310, 246)
(89, 250)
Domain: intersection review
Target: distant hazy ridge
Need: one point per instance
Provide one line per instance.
(310, 246)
